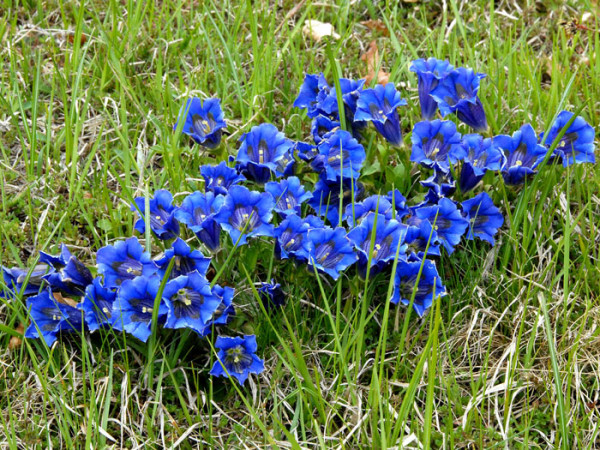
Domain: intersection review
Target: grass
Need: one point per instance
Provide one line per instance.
(88, 97)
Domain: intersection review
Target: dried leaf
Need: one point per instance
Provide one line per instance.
(376, 25)
(15, 341)
(371, 58)
(317, 30)
(65, 300)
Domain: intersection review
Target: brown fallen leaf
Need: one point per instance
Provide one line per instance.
(318, 30)
(15, 341)
(376, 25)
(65, 300)
(371, 58)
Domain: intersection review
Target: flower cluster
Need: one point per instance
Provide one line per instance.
(327, 226)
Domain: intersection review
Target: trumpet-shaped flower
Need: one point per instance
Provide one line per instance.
(356, 212)
(398, 202)
(350, 93)
(237, 358)
(457, 93)
(161, 209)
(288, 194)
(49, 317)
(190, 302)
(134, 306)
(329, 250)
(339, 155)
(577, 143)
(484, 218)
(326, 197)
(380, 106)
(522, 154)
(482, 155)
(260, 152)
(124, 260)
(429, 72)
(422, 240)
(290, 234)
(428, 286)
(246, 214)
(67, 274)
(203, 121)
(16, 281)
(309, 91)
(446, 220)
(441, 183)
(436, 142)
(271, 295)
(186, 260)
(306, 152)
(219, 178)
(322, 126)
(198, 212)
(224, 311)
(97, 305)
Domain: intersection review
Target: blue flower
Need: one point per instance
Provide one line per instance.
(124, 260)
(134, 306)
(307, 97)
(388, 235)
(198, 212)
(419, 237)
(446, 220)
(351, 89)
(186, 260)
(484, 218)
(398, 201)
(339, 155)
(203, 121)
(429, 73)
(380, 106)
(457, 93)
(522, 154)
(271, 295)
(356, 212)
(326, 197)
(429, 285)
(97, 305)
(190, 302)
(329, 250)
(482, 155)
(15, 278)
(246, 213)
(441, 183)
(436, 142)
(289, 195)
(161, 209)
(306, 152)
(219, 178)
(290, 234)
(577, 144)
(286, 165)
(322, 126)
(224, 311)
(49, 317)
(261, 150)
(237, 358)
(67, 274)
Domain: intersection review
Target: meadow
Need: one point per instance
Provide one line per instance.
(509, 358)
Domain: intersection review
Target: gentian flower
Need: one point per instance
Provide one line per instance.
(288, 194)
(162, 220)
(482, 155)
(388, 235)
(356, 212)
(326, 197)
(350, 93)
(219, 178)
(398, 201)
(224, 311)
(285, 166)
(186, 260)
(322, 126)
(522, 154)
(577, 144)
(190, 302)
(67, 273)
(260, 151)
(124, 260)
(306, 152)
(134, 305)
(429, 73)
(309, 90)
(290, 234)
(15, 278)
(48, 317)
(246, 213)
(271, 295)
(457, 93)
(436, 142)
(329, 250)
(484, 218)
(339, 155)
(429, 285)
(203, 121)
(418, 237)
(446, 220)
(198, 212)
(380, 106)
(237, 358)
(441, 182)
(97, 305)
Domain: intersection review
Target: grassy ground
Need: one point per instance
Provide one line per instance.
(510, 359)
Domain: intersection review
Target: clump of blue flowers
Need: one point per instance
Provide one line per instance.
(313, 203)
